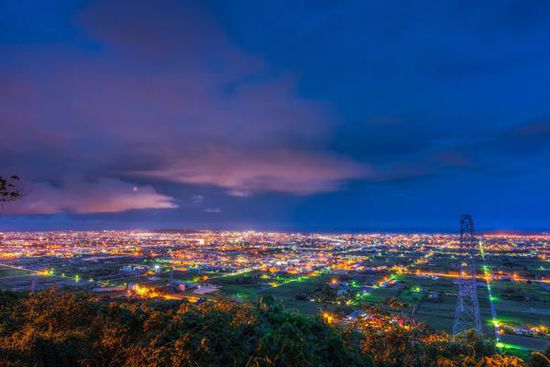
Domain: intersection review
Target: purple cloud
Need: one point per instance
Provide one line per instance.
(169, 98)
(212, 210)
(104, 195)
(242, 173)
(197, 199)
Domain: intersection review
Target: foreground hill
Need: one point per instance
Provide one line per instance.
(67, 328)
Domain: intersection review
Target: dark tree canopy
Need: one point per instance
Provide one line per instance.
(68, 328)
(9, 190)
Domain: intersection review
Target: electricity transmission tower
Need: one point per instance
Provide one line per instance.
(467, 306)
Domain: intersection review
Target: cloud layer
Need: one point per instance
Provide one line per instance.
(243, 173)
(103, 195)
(168, 97)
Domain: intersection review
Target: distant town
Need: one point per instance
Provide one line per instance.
(332, 275)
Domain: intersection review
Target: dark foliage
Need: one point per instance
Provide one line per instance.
(62, 328)
(9, 191)
(67, 328)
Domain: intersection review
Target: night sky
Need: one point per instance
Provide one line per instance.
(282, 115)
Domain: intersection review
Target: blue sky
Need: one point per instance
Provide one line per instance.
(287, 115)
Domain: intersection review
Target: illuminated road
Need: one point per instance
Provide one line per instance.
(42, 273)
(488, 277)
(455, 275)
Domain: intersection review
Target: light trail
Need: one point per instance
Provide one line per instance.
(19, 268)
(488, 277)
(453, 275)
(42, 273)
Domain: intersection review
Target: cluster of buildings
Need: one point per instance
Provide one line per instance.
(239, 252)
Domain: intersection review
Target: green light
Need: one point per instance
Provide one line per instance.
(509, 346)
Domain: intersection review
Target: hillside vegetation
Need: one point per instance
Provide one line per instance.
(68, 328)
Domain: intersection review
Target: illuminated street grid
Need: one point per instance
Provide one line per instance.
(337, 273)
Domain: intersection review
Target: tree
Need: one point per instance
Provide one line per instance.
(9, 191)
(539, 359)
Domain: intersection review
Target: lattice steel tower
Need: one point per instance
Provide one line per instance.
(467, 306)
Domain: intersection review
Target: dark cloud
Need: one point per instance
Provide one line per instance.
(524, 139)
(512, 143)
(381, 140)
(453, 158)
